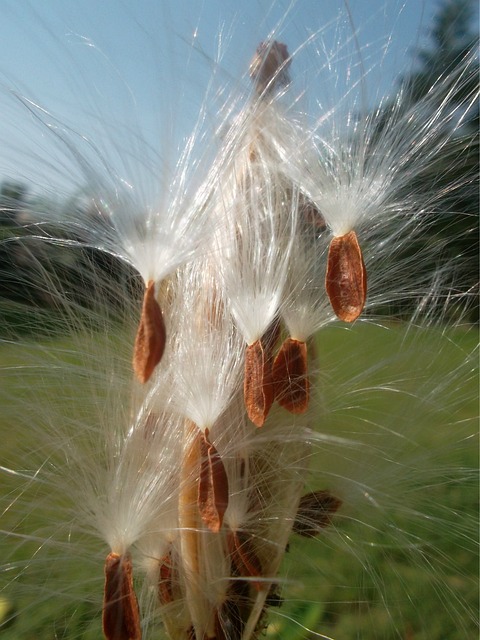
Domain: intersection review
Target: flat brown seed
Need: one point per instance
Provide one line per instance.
(150, 338)
(212, 486)
(290, 376)
(244, 557)
(315, 512)
(346, 277)
(121, 617)
(258, 383)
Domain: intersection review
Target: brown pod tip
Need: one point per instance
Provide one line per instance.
(269, 67)
(258, 384)
(315, 512)
(212, 486)
(121, 617)
(346, 277)
(290, 376)
(151, 336)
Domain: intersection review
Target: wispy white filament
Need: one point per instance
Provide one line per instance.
(236, 237)
(207, 360)
(259, 214)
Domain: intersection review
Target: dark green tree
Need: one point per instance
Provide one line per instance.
(452, 41)
(444, 78)
(13, 196)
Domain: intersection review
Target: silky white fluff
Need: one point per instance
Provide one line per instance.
(259, 216)
(231, 249)
(206, 357)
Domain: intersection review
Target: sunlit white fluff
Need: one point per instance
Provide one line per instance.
(255, 203)
(264, 264)
(306, 308)
(206, 358)
(140, 483)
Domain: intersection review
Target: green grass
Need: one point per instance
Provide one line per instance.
(411, 571)
(406, 570)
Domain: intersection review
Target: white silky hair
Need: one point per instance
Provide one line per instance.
(95, 463)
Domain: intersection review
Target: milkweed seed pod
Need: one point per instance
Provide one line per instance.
(242, 404)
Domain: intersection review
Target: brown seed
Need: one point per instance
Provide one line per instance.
(258, 383)
(165, 589)
(290, 376)
(244, 557)
(315, 512)
(151, 336)
(346, 277)
(121, 617)
(212, 486)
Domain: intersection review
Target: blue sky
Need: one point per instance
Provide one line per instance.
(119, 70)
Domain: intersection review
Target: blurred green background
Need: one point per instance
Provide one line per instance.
(398, 563)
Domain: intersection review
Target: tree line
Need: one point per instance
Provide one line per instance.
(74, 269)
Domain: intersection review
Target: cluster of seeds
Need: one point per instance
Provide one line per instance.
(212, 334)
